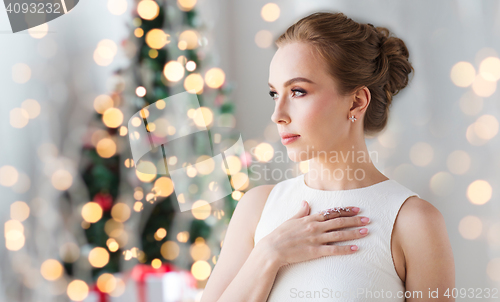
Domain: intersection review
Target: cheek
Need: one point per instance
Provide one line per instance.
(321, 118)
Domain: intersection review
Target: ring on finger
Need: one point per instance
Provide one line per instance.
(335, 209)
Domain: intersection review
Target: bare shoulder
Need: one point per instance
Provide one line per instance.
(418, 219)
(418, 210)
(427, 250)
(421, 231)
(252, 203)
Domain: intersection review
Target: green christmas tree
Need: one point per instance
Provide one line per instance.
(161, 34)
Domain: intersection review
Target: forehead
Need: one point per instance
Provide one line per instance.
(295, 60)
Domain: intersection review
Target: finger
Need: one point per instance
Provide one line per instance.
(337, 236)
(331, 250)
(343, 222)
(334, 213)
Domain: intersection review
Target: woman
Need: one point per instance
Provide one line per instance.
(333, 80)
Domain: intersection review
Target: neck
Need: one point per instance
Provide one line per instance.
(344, 169)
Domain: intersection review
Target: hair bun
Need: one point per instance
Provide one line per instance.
(393, 61)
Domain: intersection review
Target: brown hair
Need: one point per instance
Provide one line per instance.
(356, 55)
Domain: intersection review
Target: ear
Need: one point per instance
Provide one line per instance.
(360, 101)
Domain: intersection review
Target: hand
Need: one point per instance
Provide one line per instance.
(304, 237)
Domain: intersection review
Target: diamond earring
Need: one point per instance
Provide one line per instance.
(352, 118)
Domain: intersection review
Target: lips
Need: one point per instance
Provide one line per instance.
(288, 135)
(288, 138)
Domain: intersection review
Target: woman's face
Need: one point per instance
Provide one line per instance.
(309, 106)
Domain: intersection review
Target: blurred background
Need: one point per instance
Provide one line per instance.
(82, 224)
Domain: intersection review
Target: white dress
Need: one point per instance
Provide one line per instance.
(368, 274)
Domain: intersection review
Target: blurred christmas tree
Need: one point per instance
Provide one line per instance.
(134, 217)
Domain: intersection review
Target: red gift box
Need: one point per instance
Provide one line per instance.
(141, 271)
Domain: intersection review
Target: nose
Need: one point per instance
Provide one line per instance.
(280, 115)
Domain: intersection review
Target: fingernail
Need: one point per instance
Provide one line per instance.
(303, 203)
(365, 219)
(355, 209)
(354, 247)
(363, 231)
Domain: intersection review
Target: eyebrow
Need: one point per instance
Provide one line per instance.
(294, 80)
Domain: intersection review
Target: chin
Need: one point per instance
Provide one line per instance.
(297, 155)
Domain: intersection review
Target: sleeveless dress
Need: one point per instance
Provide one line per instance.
(368, 274)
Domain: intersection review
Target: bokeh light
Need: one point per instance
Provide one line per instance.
(201, 270)
(442, 184)
(189, 38)
(8, 176)
(203, 117)
(105, 52)
(264, 152)
(77, 290)
(173, 71)
(21, 73)
(170, 250)
(156, 263)
(14, 235)
(479, 192)
(148, 9)
(92, 212)
(32, 107)
(112, 117)
(483, 87)
(463, 74)
(140, 91)
(240, 181)
(39, 31)
(201, 209)
(120, 212)
(157, 38)
(160, 234)
(51, 269)
(263, 38)
(270, 12)
(421, 154)
(194, 82)
(117, 7)
(164, 186)
(493, 269)
(470, 227)
(19, 211)
(199, 250)
(106, 283)
(458, 162)
(150, 171)
(490, 69)
(486, 126)
(186, 5)
(19, 117)
(62, 180)
(215, 77)
(106, 148)
(98, 257)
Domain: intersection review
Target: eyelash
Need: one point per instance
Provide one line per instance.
(271, 93)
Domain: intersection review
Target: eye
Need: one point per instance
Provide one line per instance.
(300, 91)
